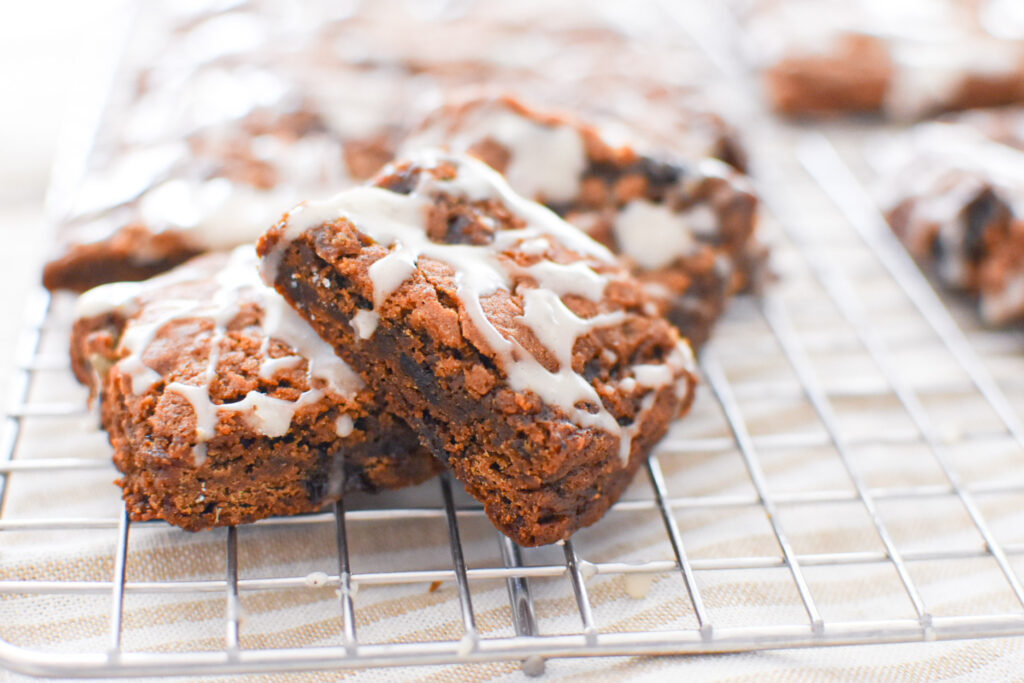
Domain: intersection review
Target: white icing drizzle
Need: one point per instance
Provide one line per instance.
(238, 282)
(546, 161)
(652, 375)
(398, 221)
(942, 167)
(653, 235)
(271, 366)
(535, 247)
(573, 278)
(116, 296)
(365, 323)
(390, 272)
(558, 328)
(205, 411)
(137, 339)
(216, 214)
(344, 425)
(270, 416)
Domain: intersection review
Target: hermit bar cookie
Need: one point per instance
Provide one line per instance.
(161, 202)
(907, 59)
(955, 198)
(518, 348)
(224, 407)
(222, 117)
(687, 229)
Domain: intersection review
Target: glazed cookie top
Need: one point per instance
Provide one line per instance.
(538, 297)
(936, 169)
(542, 157)
(181, 163)
(212, 333)
(249, 145)
(651, 211)
(955, 196)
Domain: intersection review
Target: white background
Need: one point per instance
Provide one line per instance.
(49, 51)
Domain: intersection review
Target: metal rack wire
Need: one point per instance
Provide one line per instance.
(808, 168)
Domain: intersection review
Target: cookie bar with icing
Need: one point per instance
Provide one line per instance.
(161, 201)
(955, 197)
(223, 406)
(686, 228)
(222, 117)
(520, 350)
(906, 58)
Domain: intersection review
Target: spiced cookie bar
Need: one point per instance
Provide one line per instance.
(224, 407)
(955, 197)
(520, 350)
(223, 117)
(161, 201)
(686, 229)
(906, 59)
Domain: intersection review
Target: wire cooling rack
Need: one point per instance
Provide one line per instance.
(852, 473)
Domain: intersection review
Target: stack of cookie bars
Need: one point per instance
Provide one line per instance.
(489, 247)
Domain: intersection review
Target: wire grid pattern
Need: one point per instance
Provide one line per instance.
(832, 338)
